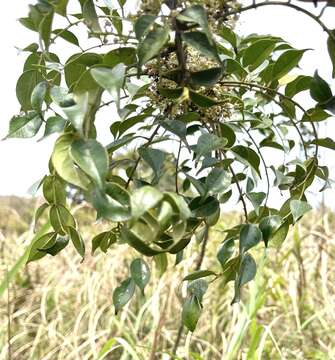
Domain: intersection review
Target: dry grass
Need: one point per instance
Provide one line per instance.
(62, 309)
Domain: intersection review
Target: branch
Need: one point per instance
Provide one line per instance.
(254, 5)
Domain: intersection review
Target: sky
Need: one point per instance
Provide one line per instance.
(25, 161)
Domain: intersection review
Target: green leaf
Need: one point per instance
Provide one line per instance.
(54, 124)
(250, 236)
(144, 199)
(59, 244)
(60, 7)
(123, 294)
(61, 218)
(111, 79)
(299, 208)
(90, 16)
(38, 95)
(198, 288)
(280, 235)
(268, 226)
(77, 241)
(315, 115)
(228, 35)
(204, 207)
(248, 156)
(152, 45)
(202, 100)
(67, 36)
(286, 62)
(208, 143)
(191, 312)
(178, 204)
(25, 126)
(226, 252)
(199, 41)
(327, 142)
(39, 212)
(256, 199)
(45, 28)
(140, 273)
(25, 86)
(301, 83)
(103, 241)
(92, 158)
(54, 191)
(207, 77)
(319, 89)
(154, 158)
(198, 274)
(247, 272)
(114, 204)
(143, 24)
(125, 55)
(39, 243)
(64, 164)
(218, 181)
(331, 50)
(258, 52)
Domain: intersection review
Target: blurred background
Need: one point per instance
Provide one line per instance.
(62, 309)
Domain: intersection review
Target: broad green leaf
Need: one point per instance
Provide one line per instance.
(144, 199)
(248, 156)
(198, 288)
(327, 142)
(25, 86)
(67, 36)
(315, 115)
(202, 100)
(125, 55)
(114, 204)
(208, 143)
(61, 6)
(250, 236)
(299, 208)
(25, 126)
(199, 41)
(204, 207)
(123, 294)
(280, 235)
(143, 25)
(90, 16)
(92, 158)
(258, 52)
(228, 35)
(196, 14)
(38, 95)
(54, 124)
(103, 241)
(77, 241)
(152, 45)
(111, 79)
(198, 274)
(331, 50)
(268, 226)
(191, 312)
(319, 89)
(45, 28)
(301, 83)
(54, 191)
(218, 181)
(226, 251)
(140, 273)
(207, 77)
(228, 133)
(53, 249)
(256, 199)
(154, 158)
(286, 62)
(178, 204)
(39, 243)
(247, 272)
(64, 164)
(61, 218)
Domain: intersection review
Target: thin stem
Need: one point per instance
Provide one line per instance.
(254, 5)
(197, 267)
(177, 165)
(139, 158)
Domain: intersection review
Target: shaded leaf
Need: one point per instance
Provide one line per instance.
(123, 294)
(140, 273)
